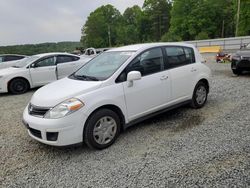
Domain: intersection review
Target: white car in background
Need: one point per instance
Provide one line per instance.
(8, 60)
(116, 89)
(38, 70)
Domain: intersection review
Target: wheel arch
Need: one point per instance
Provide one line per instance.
(115, 109)
(205, 81)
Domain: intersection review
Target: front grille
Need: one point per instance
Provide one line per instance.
(37, 111)
(35, 133)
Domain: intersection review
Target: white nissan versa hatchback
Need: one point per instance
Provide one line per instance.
(114, 90)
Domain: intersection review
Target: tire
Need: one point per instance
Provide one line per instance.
(236, 71)
(200, 93)
(18, 86)
(98, 136)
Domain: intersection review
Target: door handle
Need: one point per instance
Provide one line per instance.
(164, 77)
(193, 70)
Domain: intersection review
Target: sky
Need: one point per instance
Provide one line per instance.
(38, 21)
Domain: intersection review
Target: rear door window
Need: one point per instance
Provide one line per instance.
(179, 56)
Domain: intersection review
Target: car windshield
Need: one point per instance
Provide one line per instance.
(103, 66)
(26, 61)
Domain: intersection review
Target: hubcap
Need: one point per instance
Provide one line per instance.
(201, 94)
(105, 130)
(19, 86)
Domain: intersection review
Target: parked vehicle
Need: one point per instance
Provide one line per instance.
(38, 70)
(241, 60)
(115, 90)
(8, 60)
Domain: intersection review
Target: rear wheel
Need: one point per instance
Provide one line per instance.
(102, 129)
(200, 95)
(18, 86)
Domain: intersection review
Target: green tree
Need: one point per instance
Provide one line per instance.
(100, 27)
(244, 21)
(193, 19)
(156, 18)
(130, 31)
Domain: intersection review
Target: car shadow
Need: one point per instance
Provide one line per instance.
(173, 122)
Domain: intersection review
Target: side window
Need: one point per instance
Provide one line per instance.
(178, 56)
(65, 59)
(148, 62)
(12, 58)
(50, 61)
(1, 59)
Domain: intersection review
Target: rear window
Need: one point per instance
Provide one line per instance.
(13, 58)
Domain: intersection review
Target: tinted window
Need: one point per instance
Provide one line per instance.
(1, 59)
(178, 56)
(65, 58)
(50, 61)
(13, 58)
(148, 62)
(189, 52)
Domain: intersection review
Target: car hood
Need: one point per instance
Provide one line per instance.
(244, 53)
(10, 70)
(61, 90)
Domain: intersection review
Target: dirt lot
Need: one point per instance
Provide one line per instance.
(209, 147)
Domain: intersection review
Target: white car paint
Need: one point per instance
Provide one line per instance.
(39, 76)
(150, 94)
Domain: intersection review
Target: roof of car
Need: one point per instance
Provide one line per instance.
(12, 55)
(137, 47)
(54, 53)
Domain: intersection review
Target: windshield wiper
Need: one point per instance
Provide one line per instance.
(84, 77)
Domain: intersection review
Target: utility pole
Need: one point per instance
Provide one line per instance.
(109, 33)
(223, 29)
(237, 19)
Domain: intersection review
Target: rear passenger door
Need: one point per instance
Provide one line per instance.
(66, 65)
(182, 69)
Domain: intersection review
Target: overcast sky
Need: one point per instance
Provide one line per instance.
(37, 21)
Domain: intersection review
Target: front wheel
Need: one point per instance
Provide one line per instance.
(18, 86)
(200, 95)
(102, 129)
(236, 71)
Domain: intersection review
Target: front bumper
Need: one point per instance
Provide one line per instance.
(3, 86)
(243, 64)
(57, 132)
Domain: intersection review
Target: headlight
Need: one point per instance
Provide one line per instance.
(65, 108)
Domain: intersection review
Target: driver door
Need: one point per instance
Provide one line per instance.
(43, 71)
(148, 94)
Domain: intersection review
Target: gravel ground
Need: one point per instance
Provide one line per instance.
(209, 147)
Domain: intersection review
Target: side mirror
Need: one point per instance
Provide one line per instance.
(32, 65)
(132, 76)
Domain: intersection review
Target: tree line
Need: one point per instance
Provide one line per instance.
(165, 20)
(32, 49)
